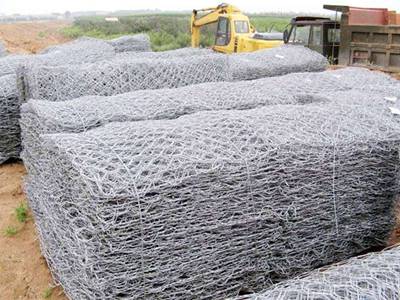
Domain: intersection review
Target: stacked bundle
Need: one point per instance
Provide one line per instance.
(183, 52)
(13, 85)
(39, 117)
(127, 43)
(62, 83)
(120, 76)
(85, 51)
(77, 52)
(41, 80)
(275, 62)
(374, 276)
(209, 203)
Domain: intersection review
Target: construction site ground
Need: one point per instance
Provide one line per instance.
(23, 270)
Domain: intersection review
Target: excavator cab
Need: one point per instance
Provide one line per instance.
(234, 31)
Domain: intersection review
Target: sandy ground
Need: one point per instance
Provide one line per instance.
(23, 270)
(31, 37)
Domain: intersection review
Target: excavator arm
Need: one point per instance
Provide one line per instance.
(210, 16)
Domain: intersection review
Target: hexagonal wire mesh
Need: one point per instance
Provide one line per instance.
(127, 72)
(373, 276)
(213, 202)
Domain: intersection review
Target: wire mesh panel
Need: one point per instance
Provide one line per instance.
(276, 61)
(183, 52)
(132, 43)
(70, 54)
(114, 77)
(11, 85)
(37, 76)
(84, 113)
(214, 202)
(62, 83)
(370, 277)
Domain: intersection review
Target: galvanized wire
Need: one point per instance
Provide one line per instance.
(74, 53)
(77, 52)
(113, 77)
(276, 61)
(118, 76)
(183, 52)
(84, 113)
(214, 202)
(132, 43)
(369, 277)
(12, 85)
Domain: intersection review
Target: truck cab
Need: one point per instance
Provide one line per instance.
(319, 34)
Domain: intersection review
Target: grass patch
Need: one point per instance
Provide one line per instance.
(47, 293)
(42, 34)
(21, 213)
(10, 231)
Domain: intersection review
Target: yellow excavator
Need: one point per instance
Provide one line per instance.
(234, 31)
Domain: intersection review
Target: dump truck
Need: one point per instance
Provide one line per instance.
(234, 32)
(367, 37)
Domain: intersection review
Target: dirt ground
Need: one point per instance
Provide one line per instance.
(31, 37)
(23, 270)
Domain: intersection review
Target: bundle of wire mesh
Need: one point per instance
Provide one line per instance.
(84, 50)
(369, 277)
(214, 202)
(81, 114)
(109, 78)
(114, 77)
(74, 53)
(131, 43)
(38, 78)
(12, 86)
(276, 61)
(182, 52)
(9, 127)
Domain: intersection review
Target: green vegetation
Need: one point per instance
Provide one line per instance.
(47, 293)
(11, 231)
(166, 31)
(21, 213)
(42, 34)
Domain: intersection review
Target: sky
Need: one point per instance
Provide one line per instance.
(49, 6)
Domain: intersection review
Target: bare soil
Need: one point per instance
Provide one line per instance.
(32, 37)
(23, 270)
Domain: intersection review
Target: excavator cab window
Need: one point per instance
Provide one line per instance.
(242, 27)
(223, 32)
